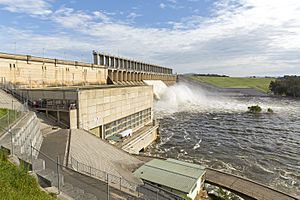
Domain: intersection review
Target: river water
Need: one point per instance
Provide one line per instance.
(215, 130)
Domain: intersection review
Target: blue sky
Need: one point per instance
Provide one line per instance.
(233, 37)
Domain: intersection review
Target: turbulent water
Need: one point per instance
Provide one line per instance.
(216, 131)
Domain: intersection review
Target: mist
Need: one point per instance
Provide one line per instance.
(184, 97)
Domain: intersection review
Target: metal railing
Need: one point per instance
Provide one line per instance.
(14, 111)
(143, 191)
(116, 181)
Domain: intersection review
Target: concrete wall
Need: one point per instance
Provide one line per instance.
(126, 76)
(101, 106)
(37, 94)
(25, 132)
(128, 64)
(38, 72)
(142, 142)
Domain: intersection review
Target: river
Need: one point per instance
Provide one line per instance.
(215, 130)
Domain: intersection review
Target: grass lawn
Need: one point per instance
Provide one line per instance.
(3, 112)
(261, 84)
(16, 183)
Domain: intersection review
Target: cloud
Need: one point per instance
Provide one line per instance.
(32, 7)
(131, 16)
(240, 37)
(162, 5)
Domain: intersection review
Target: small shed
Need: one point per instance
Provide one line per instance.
(176, 176)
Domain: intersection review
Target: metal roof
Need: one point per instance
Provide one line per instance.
(171, 173)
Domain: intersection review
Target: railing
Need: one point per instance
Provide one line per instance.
(13, 111)
(144, 191)
(9, 88)
(116, 181)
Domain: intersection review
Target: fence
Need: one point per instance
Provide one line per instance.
(144, 191)
(12, 111)
(115, 181)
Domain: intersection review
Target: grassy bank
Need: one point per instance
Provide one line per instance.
(16, 183)
(7, 117)
(261, 84)
(3, 111)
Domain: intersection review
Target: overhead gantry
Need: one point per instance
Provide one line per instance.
(126, 71)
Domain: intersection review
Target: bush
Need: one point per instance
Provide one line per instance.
(254, 109)
(286, 86)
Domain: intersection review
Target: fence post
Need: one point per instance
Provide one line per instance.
(57, 167)
(31, 154)
(77, 165)
(8, 121)
(120, 183)
(11, 140)
(107, 186)
(90, 170)
(12, 109)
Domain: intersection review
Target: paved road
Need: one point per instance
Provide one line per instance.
(54, 145)
(244, 186)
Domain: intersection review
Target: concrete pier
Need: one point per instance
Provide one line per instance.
(125, 71)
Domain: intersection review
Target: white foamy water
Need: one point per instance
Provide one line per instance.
(183, 97)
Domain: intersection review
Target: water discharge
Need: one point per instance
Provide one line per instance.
(215, 130)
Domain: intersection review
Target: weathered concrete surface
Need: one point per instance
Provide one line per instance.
(75, 184)
(140, 140)
(39, 72)
(8, 101)
(97, 153)
(244, 186)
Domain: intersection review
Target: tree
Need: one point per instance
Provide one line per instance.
(286, 86)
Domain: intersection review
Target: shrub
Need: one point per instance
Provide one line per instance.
(254, 109)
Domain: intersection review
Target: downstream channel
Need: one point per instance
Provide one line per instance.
(215, 130)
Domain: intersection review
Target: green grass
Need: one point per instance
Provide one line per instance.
(16, 183)
(3, 111)
(261, 84)
(7, 117)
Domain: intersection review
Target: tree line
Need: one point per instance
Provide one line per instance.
(286, 86)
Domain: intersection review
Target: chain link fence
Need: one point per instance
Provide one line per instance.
(143, 191)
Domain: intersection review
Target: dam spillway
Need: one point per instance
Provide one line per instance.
(216, 131)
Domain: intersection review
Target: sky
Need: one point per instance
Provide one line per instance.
(232, 37)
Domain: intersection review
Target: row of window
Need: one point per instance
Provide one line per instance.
(12, 66)
(128, 122)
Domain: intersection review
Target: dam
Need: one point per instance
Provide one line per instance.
(94, 118)
(106, 97)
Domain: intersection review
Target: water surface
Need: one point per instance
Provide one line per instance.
(216, 131)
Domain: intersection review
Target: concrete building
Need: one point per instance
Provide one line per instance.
(176, 176)
(105, 110)
(106, 98)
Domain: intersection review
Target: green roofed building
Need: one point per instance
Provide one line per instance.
(174, 175)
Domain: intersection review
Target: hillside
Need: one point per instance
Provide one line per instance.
(261, 84)
(16, 183)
